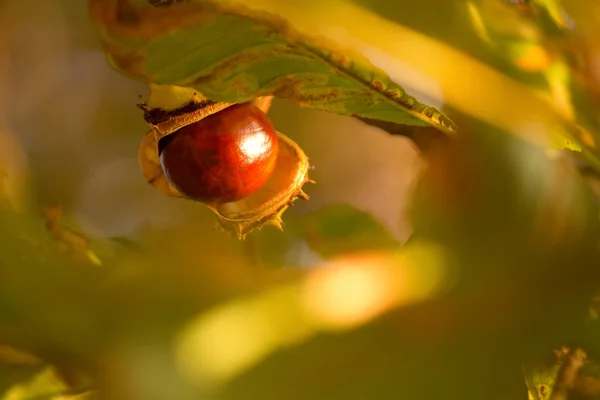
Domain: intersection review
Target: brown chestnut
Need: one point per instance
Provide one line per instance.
(223, 157)
(171, 111)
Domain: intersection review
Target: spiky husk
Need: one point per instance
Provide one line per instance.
(267, 204)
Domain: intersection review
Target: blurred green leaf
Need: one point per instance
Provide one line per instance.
(229, 52)
(522, 231)
(270, 247)
(339, 229)
(87, 311)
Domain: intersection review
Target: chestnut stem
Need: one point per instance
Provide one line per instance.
(264, 103)
(170, 97)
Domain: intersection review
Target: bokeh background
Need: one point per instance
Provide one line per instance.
(498, 270)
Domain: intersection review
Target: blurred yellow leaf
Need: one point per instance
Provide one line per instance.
(44, 385)
(341, 294)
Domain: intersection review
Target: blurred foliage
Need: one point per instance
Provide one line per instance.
(465, 271)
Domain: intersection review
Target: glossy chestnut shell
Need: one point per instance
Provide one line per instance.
(223, 157)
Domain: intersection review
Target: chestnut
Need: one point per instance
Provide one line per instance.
(223, 157)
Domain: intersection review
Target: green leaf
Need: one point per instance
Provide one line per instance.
(232, 53)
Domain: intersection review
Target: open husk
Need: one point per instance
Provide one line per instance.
(264, 206)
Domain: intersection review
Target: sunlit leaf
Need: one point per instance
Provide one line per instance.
(44, 385)
(232, 52)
